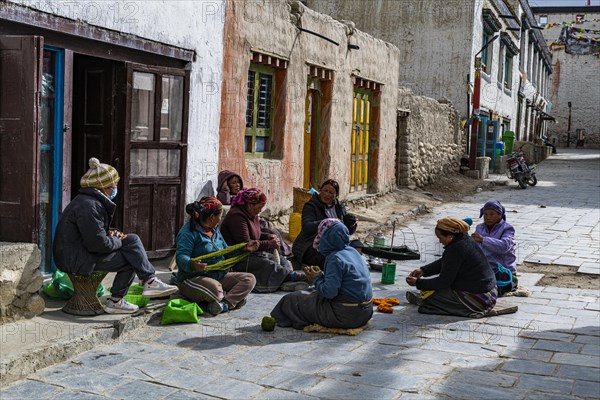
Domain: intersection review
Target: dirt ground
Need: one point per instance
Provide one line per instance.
(562, 276)
(404, 205)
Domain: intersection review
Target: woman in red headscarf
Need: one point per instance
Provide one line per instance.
(242, 224)
(221, 289)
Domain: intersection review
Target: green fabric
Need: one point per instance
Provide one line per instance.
(180, 310)
(61, 287)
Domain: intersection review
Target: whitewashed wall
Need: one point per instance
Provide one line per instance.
(194, 25)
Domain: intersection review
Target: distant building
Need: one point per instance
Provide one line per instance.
(573, 34)
(438, 42)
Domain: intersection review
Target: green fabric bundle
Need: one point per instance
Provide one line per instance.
(225, 264)
(180, 310)
(61, 287)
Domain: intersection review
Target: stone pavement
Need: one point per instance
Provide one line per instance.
(549, 349)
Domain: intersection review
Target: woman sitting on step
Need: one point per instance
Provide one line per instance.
(222, 290)
(342, 297)
(461, 282)
(242, 224)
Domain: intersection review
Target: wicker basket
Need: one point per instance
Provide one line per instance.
(301, 196)
(84, 300)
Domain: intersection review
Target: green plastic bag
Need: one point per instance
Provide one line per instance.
(60, 287)
(180, 310)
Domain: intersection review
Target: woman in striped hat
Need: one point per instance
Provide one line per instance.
(462, 281)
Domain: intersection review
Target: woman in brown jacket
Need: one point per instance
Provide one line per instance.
(242, 224)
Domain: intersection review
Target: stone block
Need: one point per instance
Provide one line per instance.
(575, 359)
(482, 164)
(545, 384)
(526, 366)
(586, 389)
(20, 280)
(473, 173)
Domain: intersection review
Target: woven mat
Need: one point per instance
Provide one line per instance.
(520, 292)
(499, 309)
(337, 331)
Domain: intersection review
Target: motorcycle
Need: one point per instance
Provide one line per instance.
(520, 171)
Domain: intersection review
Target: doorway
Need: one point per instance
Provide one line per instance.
(311, 134)
(97, 117)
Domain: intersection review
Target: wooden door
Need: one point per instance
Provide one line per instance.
(20, 92)
(92, 114)
(155, 155)
(311, 135)
(359, 142)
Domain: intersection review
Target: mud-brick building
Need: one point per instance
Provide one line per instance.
(573, 34)
(304, 98)
(439, 41)
(131, 83)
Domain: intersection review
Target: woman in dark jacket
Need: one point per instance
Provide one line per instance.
(85, 243)
(241, 225)
(323, 205)
(461, 282)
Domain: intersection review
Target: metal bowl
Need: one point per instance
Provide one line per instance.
(376, 266)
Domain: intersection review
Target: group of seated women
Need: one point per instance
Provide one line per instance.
(220, 261)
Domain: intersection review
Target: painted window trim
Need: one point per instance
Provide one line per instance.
(253, 130)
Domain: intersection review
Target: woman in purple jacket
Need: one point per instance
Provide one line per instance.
(497, 240)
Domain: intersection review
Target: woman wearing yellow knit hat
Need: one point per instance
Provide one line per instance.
(462, 281)
(84, 242)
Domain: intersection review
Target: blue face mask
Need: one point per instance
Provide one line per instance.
(113, 194)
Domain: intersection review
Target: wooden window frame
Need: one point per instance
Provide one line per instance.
(155, 142)
(253, 131)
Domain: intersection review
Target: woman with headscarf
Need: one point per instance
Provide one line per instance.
(497, 240)
(324, 204)
(242, 224)
(221, 289)
(342, 297)
(228, 185)
(462, 281)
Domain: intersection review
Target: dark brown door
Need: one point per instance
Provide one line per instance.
(20, 96)
(155, 155)
(96, 119)
(92, 114)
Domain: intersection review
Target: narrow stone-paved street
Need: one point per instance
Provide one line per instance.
(549, 349)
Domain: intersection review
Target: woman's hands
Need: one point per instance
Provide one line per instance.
(411, 279)
(198, 265)
(477, 237)
(252, 246)
(274, 241)
(312, 272)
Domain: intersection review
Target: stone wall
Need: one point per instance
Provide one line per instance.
(434, 37)
(429, 140)
(20, 281)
